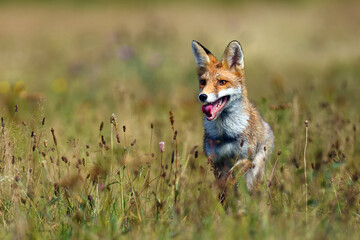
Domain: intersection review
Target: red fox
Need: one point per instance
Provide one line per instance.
(233, 129)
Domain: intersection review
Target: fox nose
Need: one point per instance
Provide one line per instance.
(202, 97)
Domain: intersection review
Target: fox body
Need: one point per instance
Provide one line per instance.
(233, 129)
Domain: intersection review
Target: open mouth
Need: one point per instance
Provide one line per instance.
(212, 110)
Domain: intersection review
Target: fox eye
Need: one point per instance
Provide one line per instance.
(222, 82)
(202, 82)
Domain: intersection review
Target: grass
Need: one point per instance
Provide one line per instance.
(94, 88)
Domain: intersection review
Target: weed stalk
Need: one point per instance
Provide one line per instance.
(306, 186)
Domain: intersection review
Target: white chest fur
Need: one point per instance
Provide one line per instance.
(224, 137)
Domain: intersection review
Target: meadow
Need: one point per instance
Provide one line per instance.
(88, 92)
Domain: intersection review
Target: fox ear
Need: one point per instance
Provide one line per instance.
(233, 56)
(201, 54)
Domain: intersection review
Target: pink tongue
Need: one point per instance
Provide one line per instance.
(207, 109)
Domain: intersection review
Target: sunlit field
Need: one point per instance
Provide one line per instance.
(88, 92)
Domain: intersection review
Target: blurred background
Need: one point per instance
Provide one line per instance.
(76, 62)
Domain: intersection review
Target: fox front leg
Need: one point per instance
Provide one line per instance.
(256, 174)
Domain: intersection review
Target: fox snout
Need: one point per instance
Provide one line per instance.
(202, 97)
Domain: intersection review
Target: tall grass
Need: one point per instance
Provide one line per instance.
(94, 168)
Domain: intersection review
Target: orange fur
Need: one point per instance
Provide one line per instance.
(236, 132)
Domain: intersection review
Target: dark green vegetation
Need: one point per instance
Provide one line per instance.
(70, 69)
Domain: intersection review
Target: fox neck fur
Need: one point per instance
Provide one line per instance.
(233, 135)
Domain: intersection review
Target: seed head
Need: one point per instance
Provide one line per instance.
(112, 119)
(101, 126)
(3, 125)
(64, 159)
(16, 108)
(162, 146)
(171, 119)
(54, 137)
(172, 157)
(43, 121)
(114, 122)
(306, 123)
(17, 178)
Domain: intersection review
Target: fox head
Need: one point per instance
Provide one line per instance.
(221, 82)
